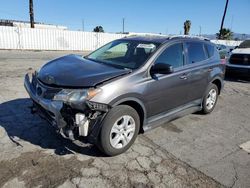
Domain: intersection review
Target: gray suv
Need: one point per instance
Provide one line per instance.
(126, 87)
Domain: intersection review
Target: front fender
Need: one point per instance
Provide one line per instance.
(130, 98)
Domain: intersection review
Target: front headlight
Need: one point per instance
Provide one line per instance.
(78, 95)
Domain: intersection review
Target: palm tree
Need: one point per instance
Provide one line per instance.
(187, 26)
(222, 21)
(225, 34)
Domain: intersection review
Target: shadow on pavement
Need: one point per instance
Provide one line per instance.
(20, 124)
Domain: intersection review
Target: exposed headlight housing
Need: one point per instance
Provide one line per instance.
(77, 95)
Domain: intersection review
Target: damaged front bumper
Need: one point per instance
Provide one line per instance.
(71, 121)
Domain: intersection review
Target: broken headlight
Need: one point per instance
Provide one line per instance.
(78, 95)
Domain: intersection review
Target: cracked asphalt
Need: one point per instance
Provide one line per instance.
(194, 151)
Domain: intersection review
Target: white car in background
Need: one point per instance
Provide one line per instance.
(239, 61)
(224, 50)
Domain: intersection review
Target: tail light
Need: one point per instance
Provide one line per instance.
(223, 61)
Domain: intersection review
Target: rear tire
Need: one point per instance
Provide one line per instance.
(119, 130)
(210, 99)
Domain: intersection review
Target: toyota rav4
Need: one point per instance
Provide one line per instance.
(126, 87)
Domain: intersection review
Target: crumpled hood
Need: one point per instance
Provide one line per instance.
(241, 51)
(76, 71)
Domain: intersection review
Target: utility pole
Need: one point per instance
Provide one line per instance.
(123, 25)
(232, 20)
(32, 25)
(166, 31)
(223, 18)
(83, 25)
(200, 31)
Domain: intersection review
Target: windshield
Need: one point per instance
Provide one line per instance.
(245, 44)
(124, 53)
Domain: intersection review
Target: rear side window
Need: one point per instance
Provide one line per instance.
(173, 55)
(210, 50)
(196, 52)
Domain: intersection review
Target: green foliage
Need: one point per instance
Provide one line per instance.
(187, 26)
(98, 29)
(225, 34)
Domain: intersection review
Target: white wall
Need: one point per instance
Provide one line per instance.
(227, 42)
(51, 39)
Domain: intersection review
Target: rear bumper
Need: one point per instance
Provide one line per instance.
(48, 109)
(240, 70)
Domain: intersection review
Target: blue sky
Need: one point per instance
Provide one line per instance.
(158, 16)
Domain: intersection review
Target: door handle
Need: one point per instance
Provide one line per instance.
(210, 70)
(183, 77)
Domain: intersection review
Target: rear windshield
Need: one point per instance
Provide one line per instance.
(245, 44)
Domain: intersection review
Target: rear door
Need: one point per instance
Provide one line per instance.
(199, 69)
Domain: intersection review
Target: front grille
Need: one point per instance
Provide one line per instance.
(44, 91)
(240, 59)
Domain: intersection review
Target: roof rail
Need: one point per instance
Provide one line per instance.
(188, 36)
(146, 35)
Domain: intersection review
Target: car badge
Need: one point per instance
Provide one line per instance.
(50, 79)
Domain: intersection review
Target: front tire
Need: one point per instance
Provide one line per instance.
(210, 99)
(119, 130)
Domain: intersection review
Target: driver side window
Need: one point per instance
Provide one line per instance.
(172, 55)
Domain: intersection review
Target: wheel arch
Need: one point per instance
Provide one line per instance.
(218, 82)
(137, 105)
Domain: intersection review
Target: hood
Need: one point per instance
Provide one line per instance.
(76, 71)
(241, 51)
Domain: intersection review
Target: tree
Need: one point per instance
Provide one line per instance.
(98, 29)
(222, 21)
(32, 25)
(225, 34)
(187, 26)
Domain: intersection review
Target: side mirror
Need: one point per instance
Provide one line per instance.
(162, 68)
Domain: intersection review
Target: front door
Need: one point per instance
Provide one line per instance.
(166, 92)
